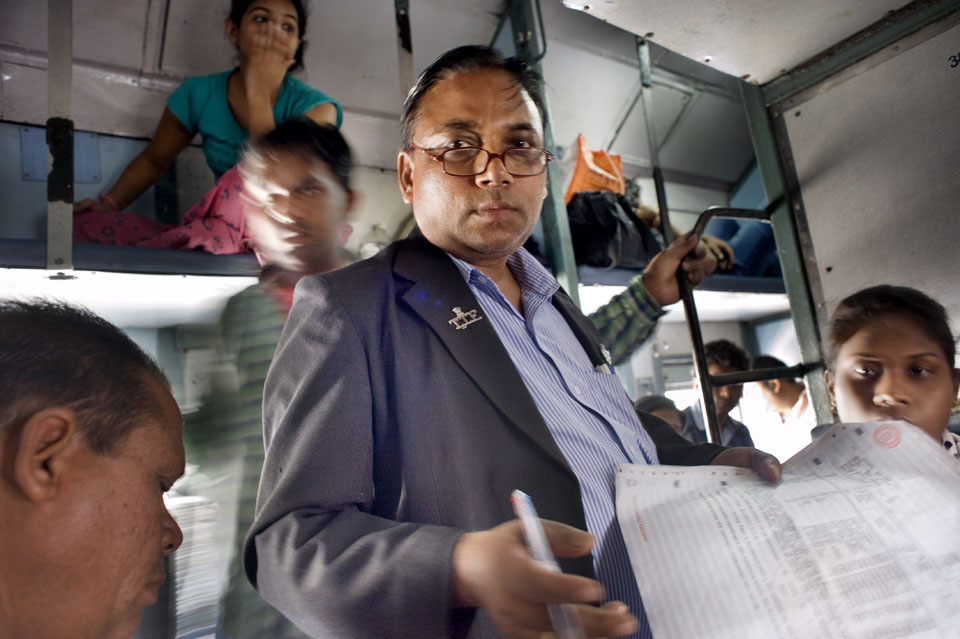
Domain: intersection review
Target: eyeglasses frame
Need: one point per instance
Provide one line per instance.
(490, 156)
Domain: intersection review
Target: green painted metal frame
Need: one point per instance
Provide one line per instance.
(883, 33)
(556, 226)
(784, 218)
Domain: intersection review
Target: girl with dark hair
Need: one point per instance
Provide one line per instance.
(891, 356)
(227, 109)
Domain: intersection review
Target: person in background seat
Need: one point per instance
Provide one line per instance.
(787, 396)
(723, 356)
(662, 407)
(227, 109)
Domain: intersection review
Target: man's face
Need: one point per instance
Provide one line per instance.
(114, 529)
(297, 213)
(484, 218)
(725, 398)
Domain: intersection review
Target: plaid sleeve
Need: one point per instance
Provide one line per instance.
(627, 320)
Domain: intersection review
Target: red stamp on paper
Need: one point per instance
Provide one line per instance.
(886, 436)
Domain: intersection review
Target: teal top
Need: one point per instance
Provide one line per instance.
(201, 105)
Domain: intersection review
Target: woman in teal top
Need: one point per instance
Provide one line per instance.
(229, 108)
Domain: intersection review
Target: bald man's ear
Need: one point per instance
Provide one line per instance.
(40, 450)
(405, 175)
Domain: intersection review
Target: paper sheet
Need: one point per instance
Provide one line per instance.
(860, 539)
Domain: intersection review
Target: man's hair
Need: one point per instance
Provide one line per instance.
(769, 361)
(650, 403)
(239, 7)
(465, 60)
(870, 304)
(726, 354)
(53, 354)
(306, 139)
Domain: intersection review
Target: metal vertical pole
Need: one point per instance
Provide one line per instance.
(686, 293)
(59, 135)
(556, 225)
(769, 161)
(404, 46)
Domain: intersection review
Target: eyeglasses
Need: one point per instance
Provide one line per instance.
(467, 161)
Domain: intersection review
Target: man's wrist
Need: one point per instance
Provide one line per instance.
(463, 558)
(644, 298)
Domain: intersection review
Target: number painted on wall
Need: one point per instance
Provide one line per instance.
(955, 60)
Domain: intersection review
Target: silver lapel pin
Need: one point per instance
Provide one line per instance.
(463, 320)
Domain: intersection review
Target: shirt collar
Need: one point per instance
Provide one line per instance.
(530, 274)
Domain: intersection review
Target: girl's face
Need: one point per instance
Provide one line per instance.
(891, 369)
(277, 18)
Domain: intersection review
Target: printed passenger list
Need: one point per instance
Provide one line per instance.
(861, 538)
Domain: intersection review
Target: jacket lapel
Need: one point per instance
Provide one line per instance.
(437, 288)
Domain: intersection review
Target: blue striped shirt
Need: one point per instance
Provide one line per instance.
(587, 411)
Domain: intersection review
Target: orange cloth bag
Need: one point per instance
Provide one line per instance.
(595, 171)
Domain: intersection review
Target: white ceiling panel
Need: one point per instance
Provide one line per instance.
(877, 160)
(439, 25)
(711, 139)
(592, 73)
(24, 24)
(586, 92)
(352, 61)
(107, 34)
(632, 142)
(194, 39)
(582, 31)
(741, 37)
(24, 94)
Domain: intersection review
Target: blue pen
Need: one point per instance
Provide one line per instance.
(566, 624)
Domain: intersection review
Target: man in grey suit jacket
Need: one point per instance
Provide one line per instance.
(404, 403)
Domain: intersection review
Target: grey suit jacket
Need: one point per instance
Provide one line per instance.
(389, 433)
